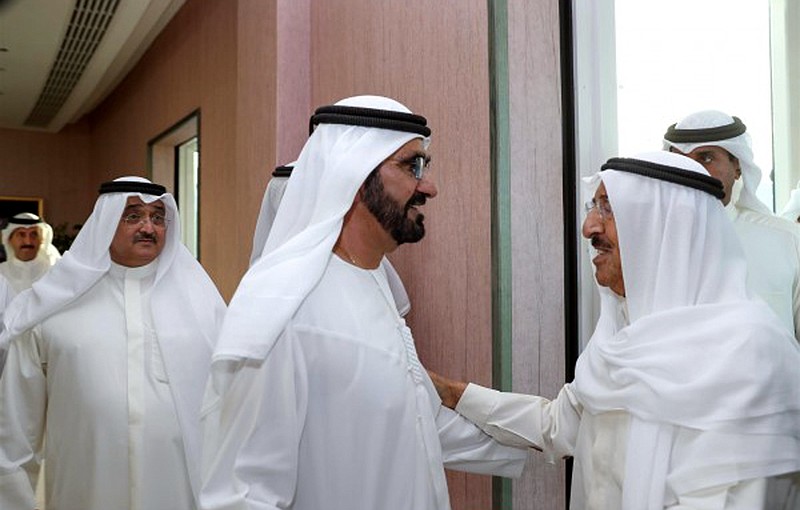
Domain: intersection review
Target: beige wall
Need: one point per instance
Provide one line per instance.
(51, 166)
(537, 225)
(215, 56)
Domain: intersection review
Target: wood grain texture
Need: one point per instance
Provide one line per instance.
(537, 225)
(293, 77)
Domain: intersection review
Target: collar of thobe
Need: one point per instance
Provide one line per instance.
(27, 265)
(136, 273)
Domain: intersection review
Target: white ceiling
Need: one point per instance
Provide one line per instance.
(33, 32)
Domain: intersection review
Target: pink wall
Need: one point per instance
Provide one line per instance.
(51, 166)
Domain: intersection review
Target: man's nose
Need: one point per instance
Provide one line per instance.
(146, 224)
(427, 186)
(592, 224)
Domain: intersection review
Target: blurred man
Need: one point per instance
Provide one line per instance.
(29, 255)
(29, 250)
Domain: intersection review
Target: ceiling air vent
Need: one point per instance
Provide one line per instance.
(87, 26)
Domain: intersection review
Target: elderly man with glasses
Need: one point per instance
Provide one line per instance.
(688, 393)
(107, 362)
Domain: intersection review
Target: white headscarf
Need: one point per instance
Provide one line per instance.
(791, 210)
(186, 307)
(740, 146)
(266, 217)
(20, 273)
(329, 171)
(698, 354)
(47, 252)
(276, 187)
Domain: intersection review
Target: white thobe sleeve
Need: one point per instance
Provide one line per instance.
(465, 447)
(23, 403)
(252, 433)
(525, 420)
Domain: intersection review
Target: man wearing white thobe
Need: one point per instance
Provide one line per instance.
(687, 396)
(266, 217)
(318, 399)
(771, 245)
(108, 358)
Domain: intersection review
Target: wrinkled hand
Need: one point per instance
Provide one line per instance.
(449, 390)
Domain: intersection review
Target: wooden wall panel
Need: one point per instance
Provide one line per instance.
(293, 78)
(52, 166)
(537, 226)
(433, 57)
(256, 116)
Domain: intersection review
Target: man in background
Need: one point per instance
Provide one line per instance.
(771, 245)
(27, 240)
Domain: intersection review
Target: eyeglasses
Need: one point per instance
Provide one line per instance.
(157, 219)
(420, 166)
(602, 205)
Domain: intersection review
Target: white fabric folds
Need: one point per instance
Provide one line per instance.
(330, 169)
(699, 356)
(266, 217)
(186, 306)
(791, 211)
(273, 195)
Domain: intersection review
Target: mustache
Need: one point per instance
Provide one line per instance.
(418, 198)
(145, 236)
(28, 246)
(599, 243)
